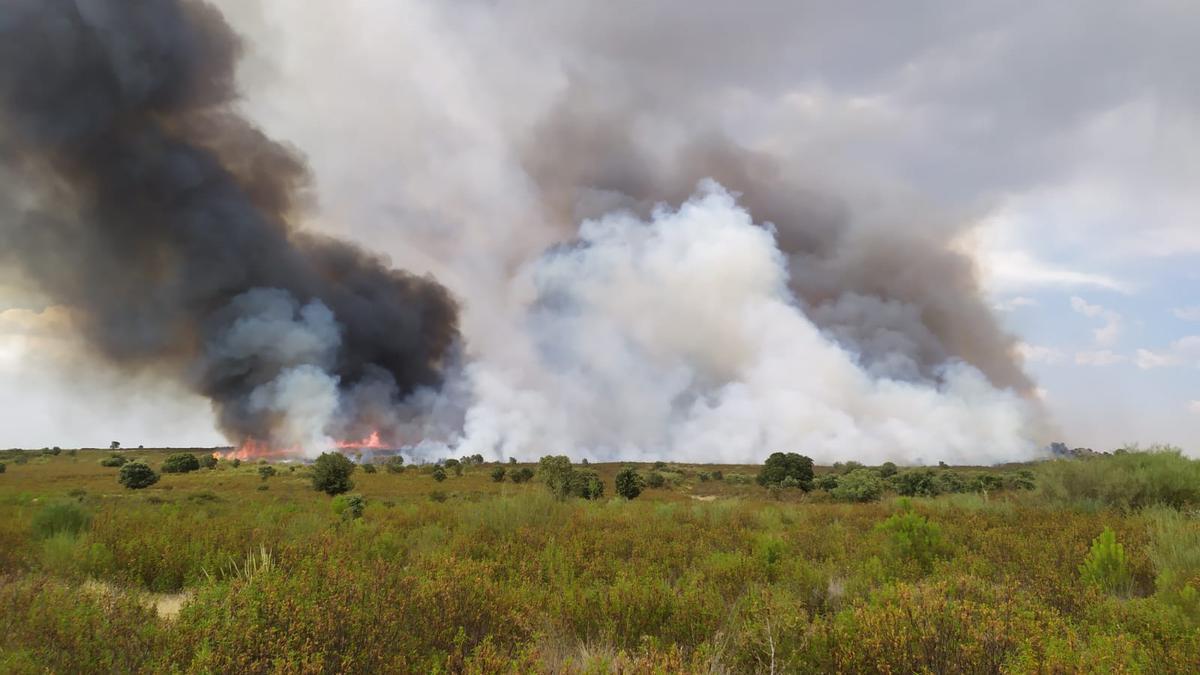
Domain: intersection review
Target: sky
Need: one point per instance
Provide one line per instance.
(1067, 134)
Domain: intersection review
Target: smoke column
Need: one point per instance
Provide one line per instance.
(638, 277)
(141, 200)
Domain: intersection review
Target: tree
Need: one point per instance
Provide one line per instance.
(265, 472)
(587, 484)
(860, 485)
(512, 460)
(331, 473)
(395, 464)
(826, 481)
(498, 474)
(439, 474)
(3, 467)
(780, 465)
(369, 468)
(454, 465)
(182, 462)
(137, 475)
(887, 469)
(556, 472)
(521, 475)
(114, 445)
(629, 483)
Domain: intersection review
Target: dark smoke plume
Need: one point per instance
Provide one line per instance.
(140, 199)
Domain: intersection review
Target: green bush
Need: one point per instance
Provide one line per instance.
(369, 468)
(265, 472)
(718, 475)
(137, 475)
(349, 507)
(629, 483)
(587, 484)
(860, 485)
(1128, 480)
(555, 472)
(115, 460)
(208, 461)
(453, 465)
(331, 473)
(826, 482)
(888, 469)
(704, 476)
(1106, 566)
(655, 480)
(395, 464)
(439, 474)
(916, 483)
(60, 518)
(235, 462)
(913, 539)
(782, 465)
(183, 462)
(522, 475)
(498, 474)
(739, 479)
(3, 467)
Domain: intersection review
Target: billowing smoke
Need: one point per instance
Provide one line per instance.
(639, 276)
(140, 199)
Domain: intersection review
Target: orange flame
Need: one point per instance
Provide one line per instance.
(252, 448)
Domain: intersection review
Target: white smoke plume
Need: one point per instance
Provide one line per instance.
(679, 337)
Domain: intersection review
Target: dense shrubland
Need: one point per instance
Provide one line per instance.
(975, 572)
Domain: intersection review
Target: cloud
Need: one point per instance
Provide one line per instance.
(1039, 353)
(1194, 407)
(1106, 334)
(1183, 352)
(1191, 313)
(1013, 304)
(1099, 358)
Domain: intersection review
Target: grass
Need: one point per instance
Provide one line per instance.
(698, 576)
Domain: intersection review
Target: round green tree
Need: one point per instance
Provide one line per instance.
(629, 483)
(137, 475)
(182, 462)
(439, 474)
(331, 473)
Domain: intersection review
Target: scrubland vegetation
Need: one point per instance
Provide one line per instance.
(1065, 566)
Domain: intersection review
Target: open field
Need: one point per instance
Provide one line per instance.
(222, 570)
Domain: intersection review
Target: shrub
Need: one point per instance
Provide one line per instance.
(60, 518)
(115, 460)
(235, 462)
(331, 473)
(522, 475)
(263, 487)
(265, 472)
(888, 469)
(782, 465)
(912, 538)
(498, 474)
(986, 482)
(718, 475)
(183, 462)
(369, 468)
(655, 480)
(3, 467)
(916, 483)
(437, 495)
(704, 476)
(453, 465)
(1175, 553)
(1106, 566)
(629, 483)
(439, 474)
(587, 484)
(395, 464)
(137, 475)
(349, 507)
(659, 466)
(949, 482)
(208, 461)
(739, 479)
(826, 482)
(556, 473)
(860, 485)
(1130, 480)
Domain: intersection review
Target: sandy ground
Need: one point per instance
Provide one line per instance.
(166, 604)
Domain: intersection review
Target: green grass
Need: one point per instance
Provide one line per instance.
(698, 576)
